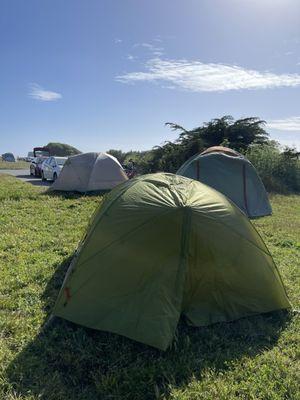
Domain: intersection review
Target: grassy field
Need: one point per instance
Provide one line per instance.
(254, 358)
(14, 165)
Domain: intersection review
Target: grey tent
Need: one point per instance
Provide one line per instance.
(90, 172)
(231, 174)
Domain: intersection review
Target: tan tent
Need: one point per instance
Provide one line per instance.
(90, 172)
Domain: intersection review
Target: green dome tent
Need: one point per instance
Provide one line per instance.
(231, 174)
(162, 245)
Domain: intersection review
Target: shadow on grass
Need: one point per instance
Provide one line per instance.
(73, 195)
(35, 181)
(67, 361)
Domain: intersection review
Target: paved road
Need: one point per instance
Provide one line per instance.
(23, 174)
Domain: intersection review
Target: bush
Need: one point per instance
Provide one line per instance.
(62, 149)
(279, 171)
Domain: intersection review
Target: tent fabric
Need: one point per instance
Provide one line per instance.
(90, 172)
(221, 149)
(163, 245)
(231, 174)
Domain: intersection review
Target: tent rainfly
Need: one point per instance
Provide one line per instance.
(162, 245)
(233, 175)
(90, 172)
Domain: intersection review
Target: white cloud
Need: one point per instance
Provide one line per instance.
(117, 40)
(38, 93)
(156, 51)
(197, 76)
(131, 57)
(285, 124)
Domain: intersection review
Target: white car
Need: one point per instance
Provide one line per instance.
(51, 167)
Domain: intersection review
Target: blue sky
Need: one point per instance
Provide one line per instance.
(103, 74)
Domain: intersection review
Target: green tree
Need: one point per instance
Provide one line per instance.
(119, 154)
(62, 149)
(237, 134)
(279, 171)
(225, 131)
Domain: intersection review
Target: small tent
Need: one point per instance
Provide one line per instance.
(162, 245)
(233, 175)
(90, 172)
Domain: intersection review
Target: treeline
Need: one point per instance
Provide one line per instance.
(279, 169)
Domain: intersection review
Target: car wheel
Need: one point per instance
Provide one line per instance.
(36, 172)
(31, 173)
(54, 176)
(43, 177)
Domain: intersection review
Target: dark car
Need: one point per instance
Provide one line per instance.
(40, 154)
(9, 157)
(36, 166)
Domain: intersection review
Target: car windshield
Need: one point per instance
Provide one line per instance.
(60, 161)
(42, 154)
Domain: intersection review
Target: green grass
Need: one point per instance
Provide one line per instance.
(14, 165)
(254, 358)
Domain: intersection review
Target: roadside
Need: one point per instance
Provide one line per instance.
(24, 175)
(14, 165)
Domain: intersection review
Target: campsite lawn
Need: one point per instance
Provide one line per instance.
(253, 358)
(14, 165)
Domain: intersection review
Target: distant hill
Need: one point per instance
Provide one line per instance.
(62, 149)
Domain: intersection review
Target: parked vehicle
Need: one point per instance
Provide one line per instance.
(51, 167)
(40, 154)
(9, 157)
(35, 166)
(30, 156)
